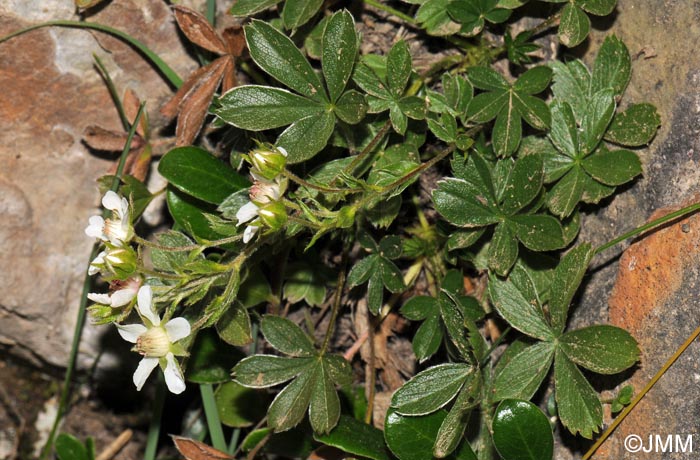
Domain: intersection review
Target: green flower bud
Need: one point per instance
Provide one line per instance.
(273, 215)
(346, 217)
(268, 163)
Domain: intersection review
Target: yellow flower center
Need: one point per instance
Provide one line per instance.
(154, 343)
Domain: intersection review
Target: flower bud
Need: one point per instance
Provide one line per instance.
(118, 262)
(263, 192)
(273, 215)
(268, 162)
(346, 217)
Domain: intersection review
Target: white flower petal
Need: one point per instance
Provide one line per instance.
(143, 370)
(282, 151)
(177, 328)
(247, 212)
(112, 201)
(173, 375)
(249, 233)
(92, 270)
(122, 297)
(145, 305)
(104, 299)
(131, 332)
(95, 229)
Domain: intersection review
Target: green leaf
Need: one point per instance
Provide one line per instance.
(296, 13)
(566, 194)
(196, 172)
(249, 7)
(603, 349)
(538, 232)
(599, 113)
(599, 7)
(452, 428)
(613, 67)
(277, 55)
(455, 201)
(469, 14)
(594, 191)
(324, 409)
(307, 137)
(340, 47)
(398, 68)
(523, 374)
(286, 337)
(238, 406)
(234, 326)
(433, 16)
(305, 282)
(534, 81)
(428, 338)
(523, 184)
(572, 85)
(256, 108)
(613, 167)
(634, 127)
(290, 404)
(577, 403)
(356, 438)
(534, 110)
(567, 279)
(391, 276)
(508, 128)
(486, 106)
(464, 238)
(487, 79)
(362, 270)
(518, 310)
(210, 359)
(261, 371)
(574, 25)
(413, 107)
(351, 107)
(564, 132)
(419, 307)
(412, 438)
(522, 432)
(430, 389)
(338, 369)
(375, 291)
(455, 324)
(69, 447)
(170, 261)
(503, 250)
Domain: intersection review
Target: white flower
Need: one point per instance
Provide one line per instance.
(116, 230)
(123, 292)
(156, 343)
(262, 192)
(115, 261)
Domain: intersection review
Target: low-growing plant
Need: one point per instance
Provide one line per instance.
(340, 181)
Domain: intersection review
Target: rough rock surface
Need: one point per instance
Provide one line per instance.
(651, 290)
(50, 93)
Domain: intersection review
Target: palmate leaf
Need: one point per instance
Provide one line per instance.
(523, 374)
(509, 104)
(296, 13)
(286, 337)
(634, 127)
(603, 349)
(433, 16)
(340, 47)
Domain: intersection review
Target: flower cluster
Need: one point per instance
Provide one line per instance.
(117, 263)
(265, 208)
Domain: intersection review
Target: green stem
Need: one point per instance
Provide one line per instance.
(367, 150)
(212, 414)
(340, 285)
(380, 6)
(548, 23)
(112, 91)
(164, 68)
(648, 226)
(304, 183)
(154, 427)
(211, 12)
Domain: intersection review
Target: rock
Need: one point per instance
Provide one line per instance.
(51, 92)
(651, 288)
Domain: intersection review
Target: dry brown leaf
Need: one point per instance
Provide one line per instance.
(198, 30)
(195, 450)
(193, 108)
(99, 138)
(131, 104)
(191, 101)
